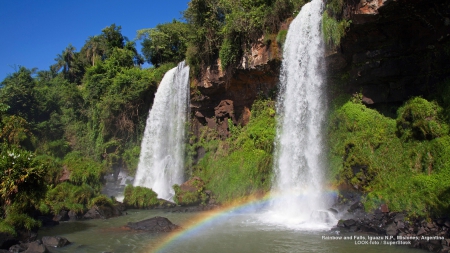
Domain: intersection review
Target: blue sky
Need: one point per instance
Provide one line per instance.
(34, 32)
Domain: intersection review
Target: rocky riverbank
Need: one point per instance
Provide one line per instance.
(396, 228)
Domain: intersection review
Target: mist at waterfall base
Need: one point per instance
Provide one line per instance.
(299, 159)
(162, 150)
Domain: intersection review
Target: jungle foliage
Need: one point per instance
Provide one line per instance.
(401, 162)
(215, 28)
(82, 117)
(241, 164)
(334, 23)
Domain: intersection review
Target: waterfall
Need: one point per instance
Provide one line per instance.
(299, 158)
(162, 150)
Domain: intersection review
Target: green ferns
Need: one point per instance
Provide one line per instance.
(402, 162)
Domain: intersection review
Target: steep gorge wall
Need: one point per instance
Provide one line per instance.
(393, 50)
(222, 95)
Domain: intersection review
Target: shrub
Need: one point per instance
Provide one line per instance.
(66, 196)
(242, 164)
(84, 170)
(140, 197)
(101, 200)
(402, 162)
(421, 120)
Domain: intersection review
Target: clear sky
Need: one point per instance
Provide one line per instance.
(33, 32)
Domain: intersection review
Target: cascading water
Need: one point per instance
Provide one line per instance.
(162, 149)
(298, 163)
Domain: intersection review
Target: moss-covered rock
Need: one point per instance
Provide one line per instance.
(191, 192)
(421, 120)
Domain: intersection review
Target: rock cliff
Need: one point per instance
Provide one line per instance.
(393, 50)
(220, 95)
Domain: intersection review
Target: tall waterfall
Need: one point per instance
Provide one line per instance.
(299, 159)
(162, 149)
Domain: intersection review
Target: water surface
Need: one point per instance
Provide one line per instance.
(228, 232)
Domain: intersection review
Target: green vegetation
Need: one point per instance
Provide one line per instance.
(190, 193)
(334, 24)
(140, 197)
(223, 29)
(83, 117)
(242, 164)
(401, 162)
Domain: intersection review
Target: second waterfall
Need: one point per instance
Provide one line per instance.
(299, 159)
(162, 150)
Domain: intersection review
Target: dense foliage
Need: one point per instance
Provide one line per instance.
(242, 164)
(80, 119)
(334, 23)
(402, 162)
(140, 197)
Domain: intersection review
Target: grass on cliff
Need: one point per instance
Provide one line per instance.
(402, 162)
(242, 164)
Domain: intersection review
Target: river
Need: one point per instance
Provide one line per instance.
(204, 232)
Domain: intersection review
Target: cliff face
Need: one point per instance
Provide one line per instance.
(393, 50)
(222, 95)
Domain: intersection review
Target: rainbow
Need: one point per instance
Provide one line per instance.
(207, 218)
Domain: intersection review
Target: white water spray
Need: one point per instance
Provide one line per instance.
(162, 150)
(298, 163)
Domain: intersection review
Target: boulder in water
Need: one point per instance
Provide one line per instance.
(36, 247)
(55, 241)
(154, 225)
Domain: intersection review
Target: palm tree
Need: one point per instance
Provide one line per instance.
(93, 48)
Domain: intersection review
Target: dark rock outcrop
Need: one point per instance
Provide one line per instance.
(36, 247)
(393, 50)
(55, 241)
(7, 240)
(418, 233)
(104, 211)
(153, 225)
(222, 95)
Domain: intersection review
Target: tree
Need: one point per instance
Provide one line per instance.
(165, 43)
(72, 68)
(93, 49)
(113, 38)
(18, 94)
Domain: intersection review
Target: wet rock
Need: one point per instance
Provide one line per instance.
(356, 206)
(72, 215)
(399, 217)
(447, 223)
(18, 248)
(349, 223)
(154, 225)
(36, 247)
(55, 241)
(62, 216)
(48, 221)
(391, 229)
(353, 228)
(104, 211)
(7, 240)
(421, 231)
